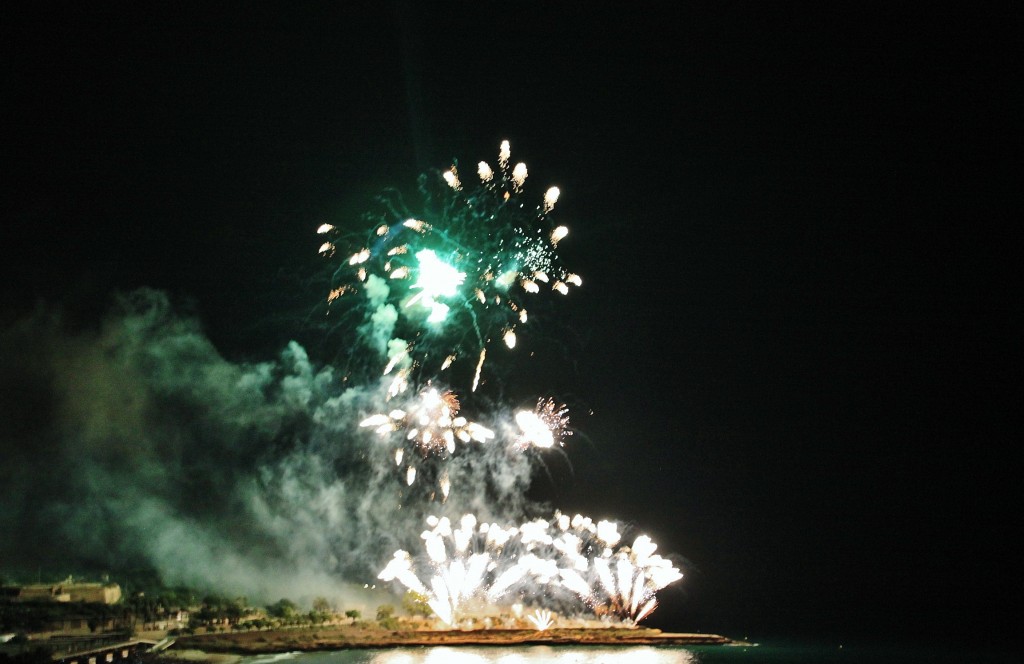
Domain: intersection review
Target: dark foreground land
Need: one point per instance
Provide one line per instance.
(253, 643)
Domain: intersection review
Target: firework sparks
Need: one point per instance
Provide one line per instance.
(550, 198)
(451, 176)
(430, 423)
(544, 426)
(468, 267)
(482, 562)
(541, 619)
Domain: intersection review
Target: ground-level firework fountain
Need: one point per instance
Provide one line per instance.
(429, 292)
(573, 564)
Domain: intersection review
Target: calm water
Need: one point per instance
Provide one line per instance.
(764, 653)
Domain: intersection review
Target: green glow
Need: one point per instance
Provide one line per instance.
(436, 279)
(438, 310)
(464, 269)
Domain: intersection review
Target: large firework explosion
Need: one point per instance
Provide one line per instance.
(442, 286)
(436, 289)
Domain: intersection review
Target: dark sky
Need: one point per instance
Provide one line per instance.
(794, 225)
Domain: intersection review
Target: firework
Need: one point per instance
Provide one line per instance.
(609, 579)
(457, 277)
(441, 291)
(427, 429)
(429, 424)
(544, 426)
(556, 560)
(541, 619)
(458, 561)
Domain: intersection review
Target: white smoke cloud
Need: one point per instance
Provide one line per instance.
(377, 331)
(137, 443)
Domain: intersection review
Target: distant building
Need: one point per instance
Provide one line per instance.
(70, 591)
(38, 592)
(174, 620)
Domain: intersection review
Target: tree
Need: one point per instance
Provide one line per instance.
(321, 605)
(386, 616)
(283, 608)
(215, 602)
(415, 604)
(353, 614)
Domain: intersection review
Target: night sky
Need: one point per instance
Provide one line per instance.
(792, 362)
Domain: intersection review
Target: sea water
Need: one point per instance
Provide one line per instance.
(759, 654)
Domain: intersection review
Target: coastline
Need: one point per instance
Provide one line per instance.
(226, 648)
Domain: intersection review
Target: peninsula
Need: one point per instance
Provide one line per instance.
(344, 637)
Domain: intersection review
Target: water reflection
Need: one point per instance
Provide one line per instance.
(269, 659)
(533, 654)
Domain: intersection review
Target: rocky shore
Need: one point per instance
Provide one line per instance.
(338, 638)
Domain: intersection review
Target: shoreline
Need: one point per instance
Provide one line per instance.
(221, 647)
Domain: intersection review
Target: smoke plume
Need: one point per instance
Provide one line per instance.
(136, 443)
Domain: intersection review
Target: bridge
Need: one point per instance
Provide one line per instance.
(101, 650)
